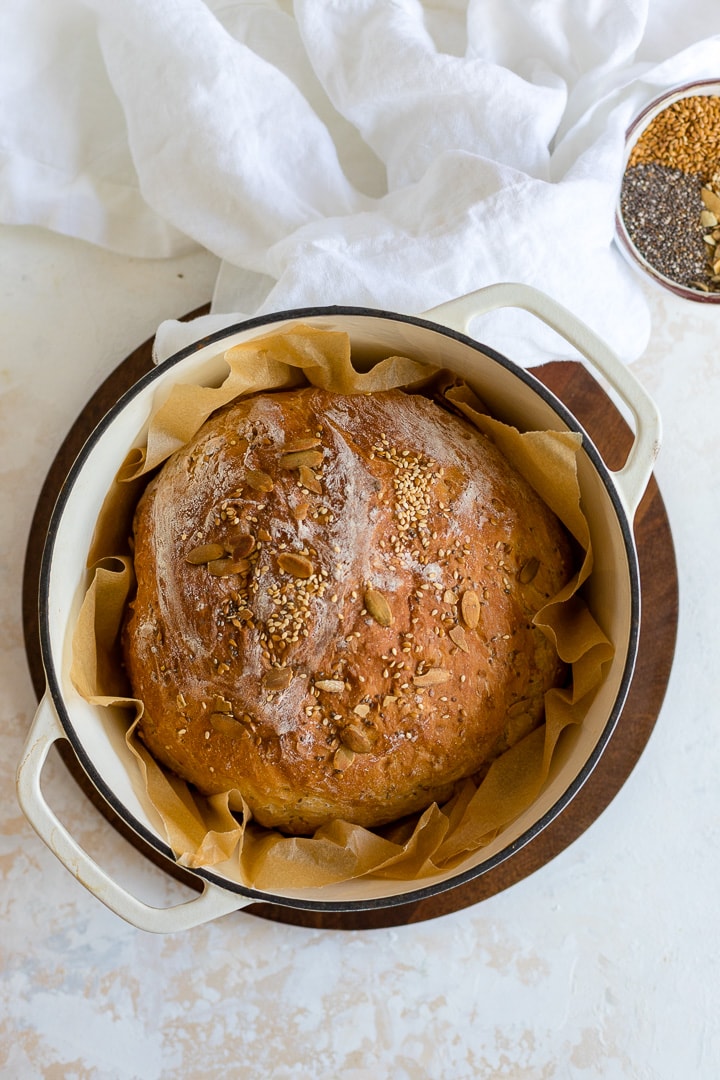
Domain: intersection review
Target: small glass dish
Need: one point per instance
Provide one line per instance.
(701, 88)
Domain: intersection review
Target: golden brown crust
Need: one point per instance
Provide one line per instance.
(334, 606)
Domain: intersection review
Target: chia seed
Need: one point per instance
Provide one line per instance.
(660, 209)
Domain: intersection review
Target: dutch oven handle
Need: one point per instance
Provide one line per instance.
(633, 478)
(213, 902)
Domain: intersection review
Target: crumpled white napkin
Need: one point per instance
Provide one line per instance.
(385, 153)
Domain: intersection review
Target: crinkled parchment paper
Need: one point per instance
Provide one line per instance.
(206, 831)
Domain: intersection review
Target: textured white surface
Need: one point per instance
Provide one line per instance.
(601, 965)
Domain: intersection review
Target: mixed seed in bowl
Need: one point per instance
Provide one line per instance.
(670, 194)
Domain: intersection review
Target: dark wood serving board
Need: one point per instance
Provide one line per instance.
(658, 571)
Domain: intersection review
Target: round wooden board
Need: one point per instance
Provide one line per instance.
(658, 571)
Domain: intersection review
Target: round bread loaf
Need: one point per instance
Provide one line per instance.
(334, 608)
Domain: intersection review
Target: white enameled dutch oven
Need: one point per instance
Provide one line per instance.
(513, 395)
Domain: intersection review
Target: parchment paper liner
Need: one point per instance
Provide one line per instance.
(204, 831)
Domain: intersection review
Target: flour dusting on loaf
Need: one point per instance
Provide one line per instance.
(335, 603)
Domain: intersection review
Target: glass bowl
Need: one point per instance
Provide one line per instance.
(701, 88)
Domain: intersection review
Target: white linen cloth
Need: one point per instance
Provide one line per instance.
(386, 153)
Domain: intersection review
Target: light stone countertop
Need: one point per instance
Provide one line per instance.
(601, 965)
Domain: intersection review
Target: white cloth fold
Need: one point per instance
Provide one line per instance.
(386, 153)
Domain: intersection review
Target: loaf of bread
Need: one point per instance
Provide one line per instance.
(335, 603)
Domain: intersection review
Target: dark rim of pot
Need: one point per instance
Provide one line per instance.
(453, 880)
